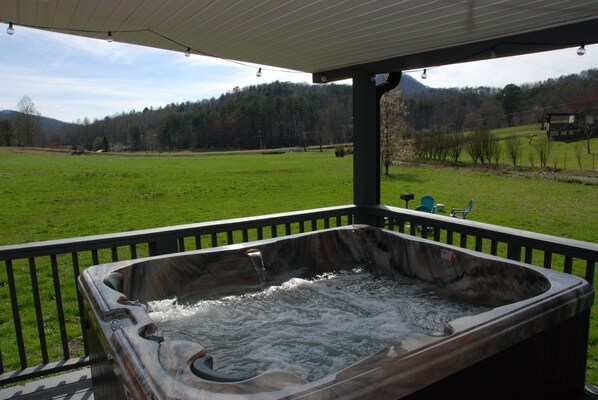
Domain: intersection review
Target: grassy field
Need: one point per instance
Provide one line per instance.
(51, 196)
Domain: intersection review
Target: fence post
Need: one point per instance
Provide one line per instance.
(164, 245)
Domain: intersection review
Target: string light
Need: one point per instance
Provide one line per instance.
(259, 73)
(109, 38)
(188, 52)
(493, 53)
(10, 30)
(424, 74)
(581, 50)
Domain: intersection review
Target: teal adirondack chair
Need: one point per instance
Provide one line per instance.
(423, 208)
(428, 201)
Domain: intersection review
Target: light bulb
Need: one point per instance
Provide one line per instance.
(259, 73)
(10, 30)
(582, 50)
(188, 52)
(424, 74)
(109, 38)
(323, 79)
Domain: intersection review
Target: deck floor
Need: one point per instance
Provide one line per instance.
(75, 385)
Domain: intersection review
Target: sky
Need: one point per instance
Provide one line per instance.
(70, 78)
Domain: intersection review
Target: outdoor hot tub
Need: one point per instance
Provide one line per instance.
(222, 323)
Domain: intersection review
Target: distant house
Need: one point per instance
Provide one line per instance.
(570, 126)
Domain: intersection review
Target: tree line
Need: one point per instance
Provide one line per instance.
(284, 114)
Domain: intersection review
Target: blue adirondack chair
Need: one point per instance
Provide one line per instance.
(428, 201)
(423, 209)
(462, 212)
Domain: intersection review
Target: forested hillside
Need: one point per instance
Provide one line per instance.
(282, 114)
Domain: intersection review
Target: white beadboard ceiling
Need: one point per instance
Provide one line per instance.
(325, 36)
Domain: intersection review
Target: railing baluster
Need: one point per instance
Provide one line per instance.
(449, 237)
(514, 251)
(181, 242)
(133, 250)
(273, 231)
(314, 225)
(38, 310)
(478, 243)
(463, 241)
(114, 252)
(424, 232)
(412, 228)
(214, 236)
(82, 322)
(287, 228)
(198, 242)
(568, 267)
(59, 307)
(229, 237)
(529, 252)
(547, 260)
(350, 219)
(301, 226)
(326, 223)
(260, 233)
(16, 316)
(391, 224)
(590, 265)
(493, 247)
(94, 257)
(401, 226)
(339, 220)
(245, 236)
(437, 234)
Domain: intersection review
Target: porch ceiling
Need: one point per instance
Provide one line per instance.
(325, 37)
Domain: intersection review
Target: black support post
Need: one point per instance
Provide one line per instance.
(366, 156)
(366, 139)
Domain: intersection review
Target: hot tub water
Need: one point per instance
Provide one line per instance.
(310, 327)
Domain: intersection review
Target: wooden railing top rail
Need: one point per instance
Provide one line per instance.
(60, 246)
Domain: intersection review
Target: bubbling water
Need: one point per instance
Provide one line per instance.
(310, 327)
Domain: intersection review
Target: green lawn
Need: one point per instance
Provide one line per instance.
(51, 196)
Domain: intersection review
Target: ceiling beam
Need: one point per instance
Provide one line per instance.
(553, 38)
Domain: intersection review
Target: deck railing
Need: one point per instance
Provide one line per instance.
(41, 331)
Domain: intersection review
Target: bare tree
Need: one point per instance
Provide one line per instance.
(578, 150)
(393, 114)
(543, 147)
(531, 156)
(27, 121)
(513, 149)
(493, 150)
(457, 141)
(478, 146)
